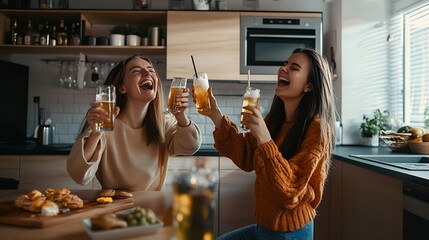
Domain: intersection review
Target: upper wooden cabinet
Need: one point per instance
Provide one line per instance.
(96, 22)
(213, 38)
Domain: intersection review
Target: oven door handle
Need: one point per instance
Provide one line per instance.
(280, 36)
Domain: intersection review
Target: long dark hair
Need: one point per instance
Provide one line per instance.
(318, 102)
(154, 121)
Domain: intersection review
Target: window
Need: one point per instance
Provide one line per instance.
(409, 64)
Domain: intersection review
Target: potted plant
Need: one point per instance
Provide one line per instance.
(133, 38)
(371, 127)
(426, 117)
(117, 35)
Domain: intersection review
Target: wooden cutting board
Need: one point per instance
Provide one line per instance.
(11, 215)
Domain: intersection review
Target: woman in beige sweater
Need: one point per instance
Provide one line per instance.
(289, 150)
(134, 155)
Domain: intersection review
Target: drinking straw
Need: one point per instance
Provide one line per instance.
(195, 69)
(248, 78)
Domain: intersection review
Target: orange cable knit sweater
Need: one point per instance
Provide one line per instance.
(287, 190)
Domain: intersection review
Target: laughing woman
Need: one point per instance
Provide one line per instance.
(289, 149)
(134, 155)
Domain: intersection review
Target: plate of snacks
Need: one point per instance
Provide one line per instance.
(133, 222)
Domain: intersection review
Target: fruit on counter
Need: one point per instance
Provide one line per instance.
(425, 137)
(404, 129)
(141, 216)
(415, 139)
(417, 132)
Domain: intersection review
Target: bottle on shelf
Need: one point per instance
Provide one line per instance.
(14, 32)
(45, 35)
(62, 38)
(36, 33)
(74, 34)
(28, 34)
(53, 39)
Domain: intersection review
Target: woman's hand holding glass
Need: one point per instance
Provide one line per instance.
(97, 115)
(181, 101)
(214, 113)
(254, 121)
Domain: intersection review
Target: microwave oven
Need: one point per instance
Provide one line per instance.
(266, 42)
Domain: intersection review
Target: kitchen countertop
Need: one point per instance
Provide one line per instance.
(341, 152)
(31, 148)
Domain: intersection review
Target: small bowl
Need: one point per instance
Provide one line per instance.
(419, 147)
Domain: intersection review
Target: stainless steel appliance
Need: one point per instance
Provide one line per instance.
(416, 211)
(266, 42)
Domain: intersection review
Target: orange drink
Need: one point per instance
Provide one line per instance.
(201, 85)
(250, 98)
(107, 96)
(177, 86)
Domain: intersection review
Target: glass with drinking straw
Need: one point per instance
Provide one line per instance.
(250, 98)
(201, 86)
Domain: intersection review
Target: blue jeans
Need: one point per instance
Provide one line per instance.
(257, 232)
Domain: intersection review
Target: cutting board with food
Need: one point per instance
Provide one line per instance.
(42, 209)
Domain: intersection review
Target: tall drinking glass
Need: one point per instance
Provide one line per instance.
(177, 86)
(250, 98)
(201, 85)
(107, 96)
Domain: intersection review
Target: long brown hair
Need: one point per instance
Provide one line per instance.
(318, 102)
(154, 121)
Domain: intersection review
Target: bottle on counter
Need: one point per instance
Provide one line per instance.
(45, 35)
(36, 33)
(28, 33)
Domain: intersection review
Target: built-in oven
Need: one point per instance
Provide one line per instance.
(416, 211)
(266, 42)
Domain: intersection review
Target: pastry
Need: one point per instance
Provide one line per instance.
(104, 200)
(107, 221)
(123, 194)
(107, 193)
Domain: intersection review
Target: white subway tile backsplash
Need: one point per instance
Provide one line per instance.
(68, 107)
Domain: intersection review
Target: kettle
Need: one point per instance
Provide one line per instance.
(45, 134)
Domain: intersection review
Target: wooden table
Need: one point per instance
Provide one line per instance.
(159, 201)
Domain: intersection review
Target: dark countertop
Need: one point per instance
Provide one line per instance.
(343, 153)
(30, 148)
(340, 153)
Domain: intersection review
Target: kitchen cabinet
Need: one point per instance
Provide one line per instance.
(236, 196)
(9, 166)
(97, 23)
(48, 171)
(360, 204)
(213, 38)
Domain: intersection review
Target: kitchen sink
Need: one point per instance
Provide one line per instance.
(409, 162)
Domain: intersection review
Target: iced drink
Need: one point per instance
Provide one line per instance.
(201, 85)
(250, 98)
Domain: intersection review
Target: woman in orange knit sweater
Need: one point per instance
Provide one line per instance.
(289, 150)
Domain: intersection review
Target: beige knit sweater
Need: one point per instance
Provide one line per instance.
(287, 190)
(123, 160)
